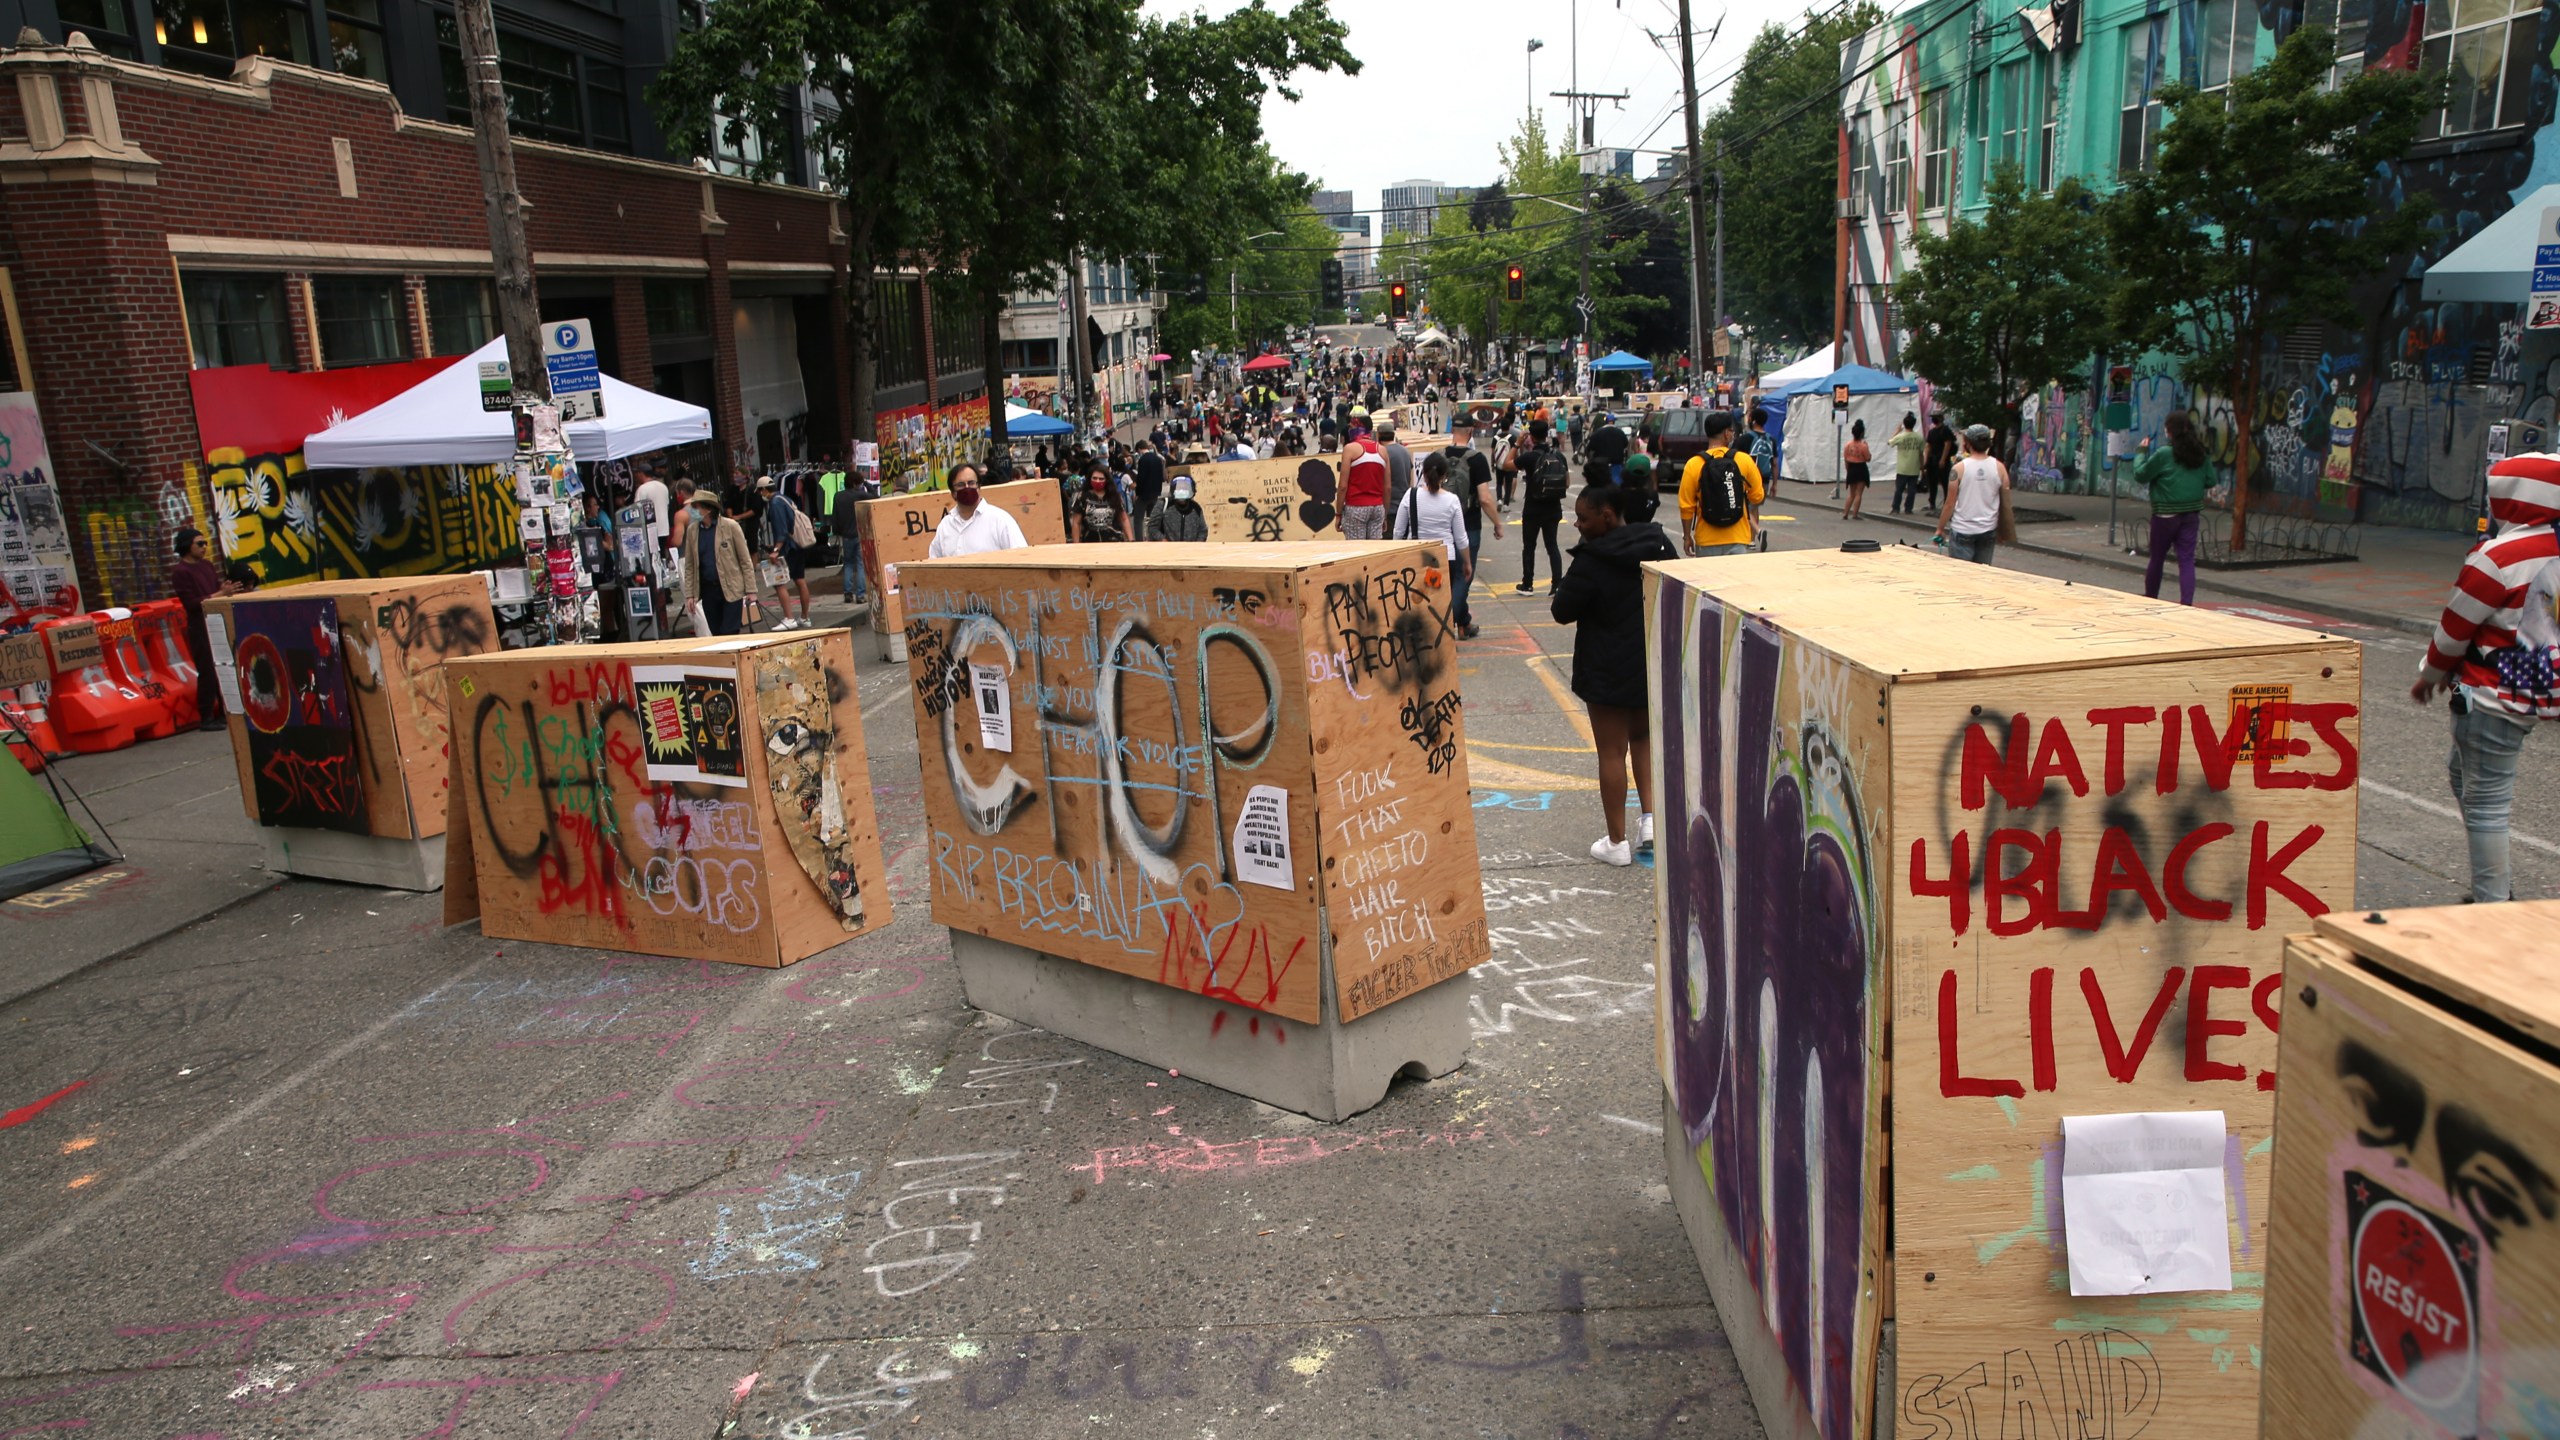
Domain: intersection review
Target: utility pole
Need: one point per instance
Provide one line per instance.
(1586, 114)
(519, 311)
(1701, 320)
(1078, 347)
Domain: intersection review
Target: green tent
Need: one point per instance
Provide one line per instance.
(39, 846)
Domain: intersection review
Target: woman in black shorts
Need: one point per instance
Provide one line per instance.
(1854, 458)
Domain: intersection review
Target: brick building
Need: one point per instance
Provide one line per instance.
(154, 220)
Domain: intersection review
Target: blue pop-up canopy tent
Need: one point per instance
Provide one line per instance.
(1621, 360)
(1024, 424)
(1815, 431)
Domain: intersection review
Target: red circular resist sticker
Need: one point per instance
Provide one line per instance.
(2413, 1304)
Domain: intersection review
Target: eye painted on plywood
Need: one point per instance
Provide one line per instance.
(2391, 1101)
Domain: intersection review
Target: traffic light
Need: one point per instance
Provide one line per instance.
(1195, 288)
(1395, 300)
(1331, 282)
(1514, 283)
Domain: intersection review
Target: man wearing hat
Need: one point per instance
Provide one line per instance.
(780, 517)
(1471, 475)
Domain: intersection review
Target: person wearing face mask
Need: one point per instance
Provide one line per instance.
(1098, 510)
(719, 572)
(972, 526)
(1179, 516)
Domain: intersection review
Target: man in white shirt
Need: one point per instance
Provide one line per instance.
(651, 496)
(972, 527)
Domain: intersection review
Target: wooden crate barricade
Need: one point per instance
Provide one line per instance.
(1224, 768)
(340, 720)
(1946, 854)
(2413, 1287)
(706, 799)
(895, 529)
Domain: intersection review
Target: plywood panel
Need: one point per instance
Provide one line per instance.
(2497, 957)
(895, 529)
(406, 630)
(2127, 844)
(807, 726)
(1403, 902)
(1145, 707)
(1260, 501)
(1773, 852)
(2413, 1289)
(1905, 612)
(622, 797)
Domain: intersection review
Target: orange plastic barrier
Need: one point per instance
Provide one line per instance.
(131, 667)
(91, 712)
(161, 626)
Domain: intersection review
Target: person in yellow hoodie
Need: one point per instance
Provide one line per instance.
(1718, 492)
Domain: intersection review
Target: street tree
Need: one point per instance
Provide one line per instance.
(1000, 140)
(1777, 139)
(1464, 268)
(2001, 307)
(2259, 214)
(1275, 281)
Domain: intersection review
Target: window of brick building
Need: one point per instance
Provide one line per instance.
(540, 79)
(360, 319)
(897, 333)
(207, 36)
(462, 314)
(107, 23)
(355, 39)
(678, 309)
(237, 319)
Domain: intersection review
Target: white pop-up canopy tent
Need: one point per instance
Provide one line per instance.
(438, 421)
(1811, 367)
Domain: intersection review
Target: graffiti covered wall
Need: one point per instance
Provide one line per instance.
(1774, 1006)
(38, 580)
(291, 524)
(932, 438)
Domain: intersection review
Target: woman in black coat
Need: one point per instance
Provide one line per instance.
(1602, 597)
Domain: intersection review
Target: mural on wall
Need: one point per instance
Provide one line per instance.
(931, 438)
(2385, 422)
(37, 577)
(292, 525)
(1772, 940)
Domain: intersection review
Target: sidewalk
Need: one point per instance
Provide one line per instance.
(2399, 582)
(173, 807)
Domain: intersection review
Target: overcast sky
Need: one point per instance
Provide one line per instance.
(1442, 82)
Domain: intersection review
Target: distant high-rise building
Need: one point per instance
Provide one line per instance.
(1666, 166)
(1333, 207)
(1606, 162)
(1412, 205)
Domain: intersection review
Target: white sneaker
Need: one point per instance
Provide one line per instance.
(1612, 852)
(1644, 833)
(786, 623)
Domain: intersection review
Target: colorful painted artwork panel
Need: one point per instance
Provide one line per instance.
(301, 724)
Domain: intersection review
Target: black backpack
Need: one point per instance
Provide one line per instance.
(1549, 476)
(1720, 496)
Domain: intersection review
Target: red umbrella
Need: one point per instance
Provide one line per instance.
(1268, 362)
(1160, 357)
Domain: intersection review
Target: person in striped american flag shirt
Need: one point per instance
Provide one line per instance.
(2494, 647)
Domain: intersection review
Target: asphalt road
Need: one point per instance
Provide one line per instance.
(330, 1169)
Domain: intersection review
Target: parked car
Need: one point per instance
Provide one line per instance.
(1684, 433)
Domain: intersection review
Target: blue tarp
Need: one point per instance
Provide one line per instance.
(1028, 426)
(1776, 405)
(1621, 360)
(1861, 380)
